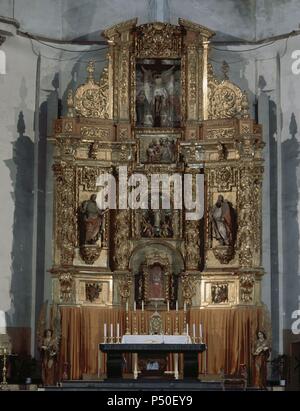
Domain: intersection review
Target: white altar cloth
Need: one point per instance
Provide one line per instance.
(156, 339)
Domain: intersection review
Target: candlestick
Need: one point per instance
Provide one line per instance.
(118, 333)
(111, 333)
(105, 333)
(134, 323)
(176, 324)
(127, 323)
(143, 321)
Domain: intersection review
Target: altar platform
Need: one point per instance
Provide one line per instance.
(144, 385)
(137, 385)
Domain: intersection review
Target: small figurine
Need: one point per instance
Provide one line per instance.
(260, 357)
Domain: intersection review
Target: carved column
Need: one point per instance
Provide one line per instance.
(192, 245)
(122, 240)
(65, 213)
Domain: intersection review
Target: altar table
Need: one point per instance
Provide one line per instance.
(190, 352)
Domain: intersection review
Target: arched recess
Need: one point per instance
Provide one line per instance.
(156, 246)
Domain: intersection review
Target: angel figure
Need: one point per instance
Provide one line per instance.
(48, 344)
(260, 357)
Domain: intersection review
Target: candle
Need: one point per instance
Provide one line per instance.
(142, 305)
(187, 329)
(194, 330)
(134, 305)
(177, 305)
(105, 330)
(111, 330)
(126, 305)
(200, 332)
(168, 305)
(118, 330)
(184, 306)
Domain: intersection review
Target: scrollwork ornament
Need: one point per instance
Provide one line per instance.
(158, 40)
(66, 286)
(188, 287)
(92, 98)
(226, 100)
(125, 287)
(247, 282)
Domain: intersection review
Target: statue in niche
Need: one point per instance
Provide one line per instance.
(91, 221)
(223, 222)
(156, 281)
(260, 357)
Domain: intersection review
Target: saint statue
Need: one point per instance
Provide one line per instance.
(156, 282)
(260, 357)
(91, 221)
(223, 224)
(48, 349)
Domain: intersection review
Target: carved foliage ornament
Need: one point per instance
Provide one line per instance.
(66, 285)
(226, 100)
(158, 40)
(90, 253)
(125, 287)
(249, 214)
(246, 287)
(92, 98)
(188, 287)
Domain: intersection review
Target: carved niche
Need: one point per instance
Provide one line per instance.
(155, 283)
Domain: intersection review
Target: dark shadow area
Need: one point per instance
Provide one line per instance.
(21, 168)
(48, 110)
(274, 227)
(290, 224)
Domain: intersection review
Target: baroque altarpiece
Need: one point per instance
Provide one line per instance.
(159, 108)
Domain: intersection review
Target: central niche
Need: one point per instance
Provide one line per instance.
(158, 93)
